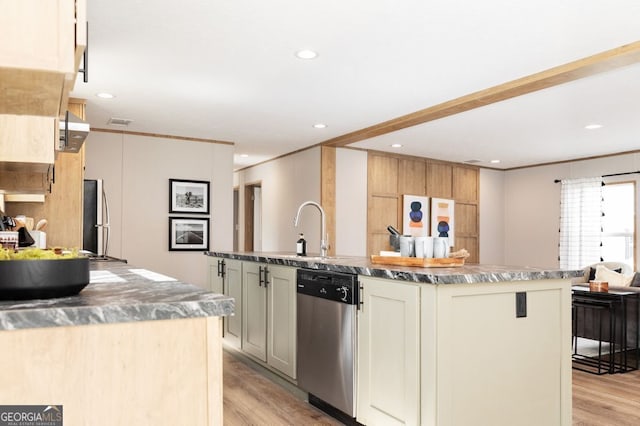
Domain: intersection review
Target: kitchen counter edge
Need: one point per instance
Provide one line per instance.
(467, 274)
(117, 295)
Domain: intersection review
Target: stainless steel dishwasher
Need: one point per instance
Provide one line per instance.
(327, 305)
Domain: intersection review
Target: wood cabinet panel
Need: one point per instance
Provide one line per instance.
(328, 192)
(27, 142)
(38, 67)
(25, 182)
(439, 180)
(466, 219)
(420, 176)
(63, 206)
(471, 244)
(377, 242)
(383, 174)
(149, 372)
(412, 177)
(383, 211)
(465, 184)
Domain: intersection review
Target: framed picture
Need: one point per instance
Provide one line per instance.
(188, 196)
(442, 214)
(415, 215)
(188, 234)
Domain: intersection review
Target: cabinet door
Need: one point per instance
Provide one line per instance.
(281, 335)
(520, 367)
(38, 66)
(233, 288)
(439, 180)
(215, 275)
(27, 143)
(254, 311)
(388, 353)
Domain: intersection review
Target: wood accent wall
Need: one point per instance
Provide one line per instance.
(391, 176)
(63, 206)
(328, 192)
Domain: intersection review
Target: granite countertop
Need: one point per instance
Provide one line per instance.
(469, 273)
(117, 293)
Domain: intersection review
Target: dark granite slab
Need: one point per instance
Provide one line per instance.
(117, 293)
(468, 273)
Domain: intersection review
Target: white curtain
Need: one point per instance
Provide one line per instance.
(580, 222)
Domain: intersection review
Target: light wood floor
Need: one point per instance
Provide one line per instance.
(606, 400)
(252, 399)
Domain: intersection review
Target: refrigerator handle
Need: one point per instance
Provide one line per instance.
(105, 225)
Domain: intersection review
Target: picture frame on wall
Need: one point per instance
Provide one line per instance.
(415, 215)
(188, 196)
(188, 234)
(442, 215)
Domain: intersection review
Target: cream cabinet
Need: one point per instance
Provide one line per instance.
(281, 324)
(485, 365)
(269, 315)
(463, 354)
(388, 388)
(38, 66)
(254, 310)
(225, 277)
(216, 274)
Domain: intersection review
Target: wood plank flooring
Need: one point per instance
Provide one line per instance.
(607, 400)
(252, 399)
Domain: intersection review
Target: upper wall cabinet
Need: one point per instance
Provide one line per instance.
(43, 42)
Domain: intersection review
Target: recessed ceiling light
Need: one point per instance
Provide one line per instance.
(593, 126)
(244, 155)
(495, 161)
(105, 95)
(320, 126)
(306, 54)
(396, 145)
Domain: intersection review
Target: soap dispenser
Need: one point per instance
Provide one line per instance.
(301, 246)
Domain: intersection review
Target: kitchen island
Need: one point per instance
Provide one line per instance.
(469, 345)
(133, 347)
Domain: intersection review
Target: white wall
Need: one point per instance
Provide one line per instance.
(532, 206)
(286, 183)
(351, 202)
(492, 215)
(136, 172)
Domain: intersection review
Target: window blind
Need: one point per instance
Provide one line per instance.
(580, 222)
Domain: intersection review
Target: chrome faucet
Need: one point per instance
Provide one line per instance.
(324, 246)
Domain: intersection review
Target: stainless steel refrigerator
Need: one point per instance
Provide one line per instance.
(95, 234)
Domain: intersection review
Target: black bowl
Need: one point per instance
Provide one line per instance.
(42, 278)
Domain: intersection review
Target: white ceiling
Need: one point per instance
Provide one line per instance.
(226, 70)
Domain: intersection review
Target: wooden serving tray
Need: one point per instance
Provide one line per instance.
(445, 262)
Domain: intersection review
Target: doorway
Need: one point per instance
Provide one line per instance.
(253, 217)
(236, 213)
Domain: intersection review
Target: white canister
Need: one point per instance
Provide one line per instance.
(419, 246)
(406, 246)
(440, 247)
(428, 247)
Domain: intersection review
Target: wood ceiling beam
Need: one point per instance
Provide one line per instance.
(599, 63)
